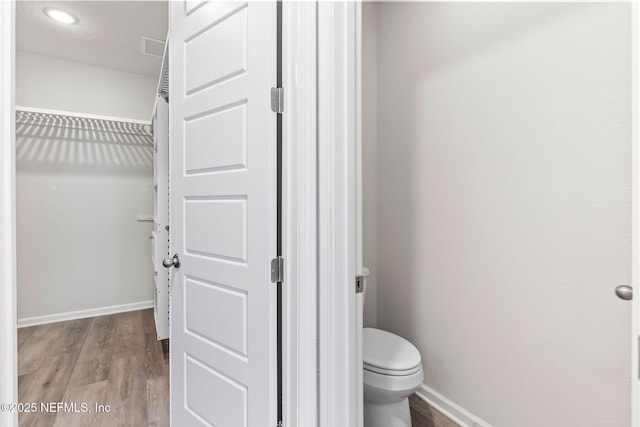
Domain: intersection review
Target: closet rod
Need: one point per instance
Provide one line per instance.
(37, 116)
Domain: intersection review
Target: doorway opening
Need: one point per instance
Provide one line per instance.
(88, 341)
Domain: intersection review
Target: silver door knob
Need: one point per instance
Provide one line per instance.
(624, 292)
(171, 262)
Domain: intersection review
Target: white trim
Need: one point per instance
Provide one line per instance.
(83, 115)
(452, 410)
(359, 220)
(83, 314)
(357, 79)
(299, 215)
(337, 303)
(635, 215)
(8, 343)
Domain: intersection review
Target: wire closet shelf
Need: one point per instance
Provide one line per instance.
(70, 121)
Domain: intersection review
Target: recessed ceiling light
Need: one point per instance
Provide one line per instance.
(60, 16)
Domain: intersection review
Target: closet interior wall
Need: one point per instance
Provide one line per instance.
(80, 190)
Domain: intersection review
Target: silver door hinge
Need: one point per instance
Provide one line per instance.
(277, 100)
(359, 284)
(277, 270)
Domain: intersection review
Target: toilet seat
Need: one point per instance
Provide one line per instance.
(389, 354)
(391, 372)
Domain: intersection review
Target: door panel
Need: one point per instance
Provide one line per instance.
(225, 39)
(223, 176)
(231, 147)
(226, 238)
(227, 325)
(229, 408)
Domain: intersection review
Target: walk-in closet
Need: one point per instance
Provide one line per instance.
(92, 212)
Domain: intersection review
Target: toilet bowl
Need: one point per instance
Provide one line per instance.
(392, 372)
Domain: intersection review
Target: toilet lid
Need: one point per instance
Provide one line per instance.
(388, 352)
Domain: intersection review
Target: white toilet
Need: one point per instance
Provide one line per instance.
(392, 372)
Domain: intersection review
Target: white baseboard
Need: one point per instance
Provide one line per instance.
(449, 408)
(82, 314)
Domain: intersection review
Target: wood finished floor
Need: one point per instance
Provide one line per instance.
(109, 360)
(425, 415)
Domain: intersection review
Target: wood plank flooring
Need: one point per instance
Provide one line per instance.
(425, 415)
(110, 360)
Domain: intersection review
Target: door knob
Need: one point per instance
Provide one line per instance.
(171, 262)
(624, 292)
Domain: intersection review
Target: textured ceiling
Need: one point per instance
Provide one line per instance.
(108, 32)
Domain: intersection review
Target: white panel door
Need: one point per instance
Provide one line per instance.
(223, 206)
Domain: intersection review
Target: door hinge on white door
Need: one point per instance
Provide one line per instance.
(277, 100)
(277, 270)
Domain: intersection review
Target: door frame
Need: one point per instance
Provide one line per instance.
(340, 364)
(8, 315)
(321, 44)
(635, 213)
(299, 220)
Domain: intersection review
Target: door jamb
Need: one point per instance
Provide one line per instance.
(300, 320)
(337, 46)
(8, 288)
(635, 222)
(321, 119)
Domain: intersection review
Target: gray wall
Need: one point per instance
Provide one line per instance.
(80, 246)
(59, 84)
(503, 194)
(370, 157)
